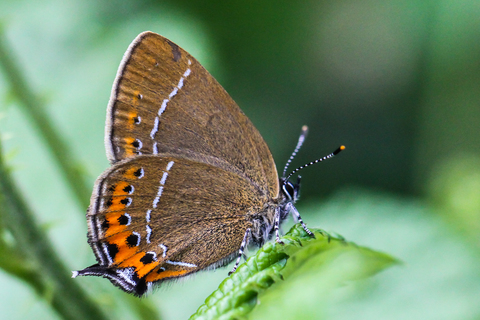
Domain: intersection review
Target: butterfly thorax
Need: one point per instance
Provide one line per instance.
(264, 221)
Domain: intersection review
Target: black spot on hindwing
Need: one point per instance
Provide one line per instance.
(123, 220)
(112, 250)
(132, 240)
(147, 258)
(138, 173)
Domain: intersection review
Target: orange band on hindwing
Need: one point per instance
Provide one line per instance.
(156, 276)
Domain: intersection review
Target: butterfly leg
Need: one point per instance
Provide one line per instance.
(277, 226)
(297, 217)
(240, 252)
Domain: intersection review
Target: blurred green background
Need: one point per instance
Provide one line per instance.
(397, 82)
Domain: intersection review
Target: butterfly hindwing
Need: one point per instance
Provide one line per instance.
(148, 223)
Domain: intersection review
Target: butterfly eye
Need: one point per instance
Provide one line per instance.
(288, 190)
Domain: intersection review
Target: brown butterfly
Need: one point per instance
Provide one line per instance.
(192, 181)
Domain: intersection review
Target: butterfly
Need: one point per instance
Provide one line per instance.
(191, 182)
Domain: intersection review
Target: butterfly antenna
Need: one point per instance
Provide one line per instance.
(334, 153)
(301, 139)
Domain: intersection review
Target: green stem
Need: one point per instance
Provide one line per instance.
(14, 263)
(67, 298)
(36, 113)
(59, 149)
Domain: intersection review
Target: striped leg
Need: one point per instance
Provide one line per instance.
(296, 215)
(240, 252)
(277, 226)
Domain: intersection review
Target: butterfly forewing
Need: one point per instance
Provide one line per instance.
(147, 216)
(164, 101)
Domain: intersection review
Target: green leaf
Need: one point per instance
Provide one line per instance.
(454, 189)
(282, 280)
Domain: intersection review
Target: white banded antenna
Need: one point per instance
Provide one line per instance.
(301, 139)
